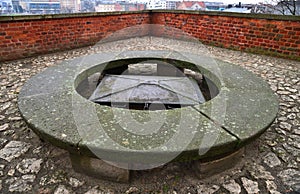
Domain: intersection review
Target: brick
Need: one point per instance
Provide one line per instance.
(229, 32)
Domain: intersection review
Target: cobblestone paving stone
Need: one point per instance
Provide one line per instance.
(270, 164)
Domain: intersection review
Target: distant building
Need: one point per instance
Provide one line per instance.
(70, 6)
(238, 10)
(171, 4)
(215, 6)
(6, 6)
(40, 6)
(87, 6)
(191, 5)
(133, 6)
(17, 7)
(156, 4)
(100, 7)
(118, 7)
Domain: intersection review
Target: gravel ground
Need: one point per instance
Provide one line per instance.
(271, 164)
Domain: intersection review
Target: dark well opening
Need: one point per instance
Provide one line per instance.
(148, 84)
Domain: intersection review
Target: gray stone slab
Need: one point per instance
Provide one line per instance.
(244, 113)
(236, 77)
(206, 169)
(148, 89)
(135, 136)
(50, 116)
(99, 169)
(51, 80)
(144, 54)
(63, 77)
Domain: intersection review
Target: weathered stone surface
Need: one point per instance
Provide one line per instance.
(272, 188)
(259, 172)
(60, 111)
(20, 184)
(56, 177)
(75, 182)
(11, 172)
(31, 165)
(250, 107)
(193, 131)
(293, 151)
(291, 178)
(206, 169)
(8, 132)
(3, 142)
(13, 150)
(99, 169)
(95, 190)
(250, 186)
(38, 109)
(294, 141)
(132, 190)
(261, 109)
(272, 160)
(44, 190)
(15, 118)
(281, 153)
(4, 127)
(285, 126)
(1, 170)
(293, 164)
(207, 189)
(61, 189)
(232, 186)
(5, 106)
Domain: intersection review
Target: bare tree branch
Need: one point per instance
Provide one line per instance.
(284, 7)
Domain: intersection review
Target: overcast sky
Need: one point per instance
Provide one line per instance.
(236, 1)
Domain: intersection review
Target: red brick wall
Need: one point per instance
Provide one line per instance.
(23, 36)
(265, 36)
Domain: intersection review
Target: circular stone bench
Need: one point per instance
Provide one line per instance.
(244, 108)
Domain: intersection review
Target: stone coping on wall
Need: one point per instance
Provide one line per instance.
(96, 14)
(61, 16)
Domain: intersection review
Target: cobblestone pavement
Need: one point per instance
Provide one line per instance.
(270, 164)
